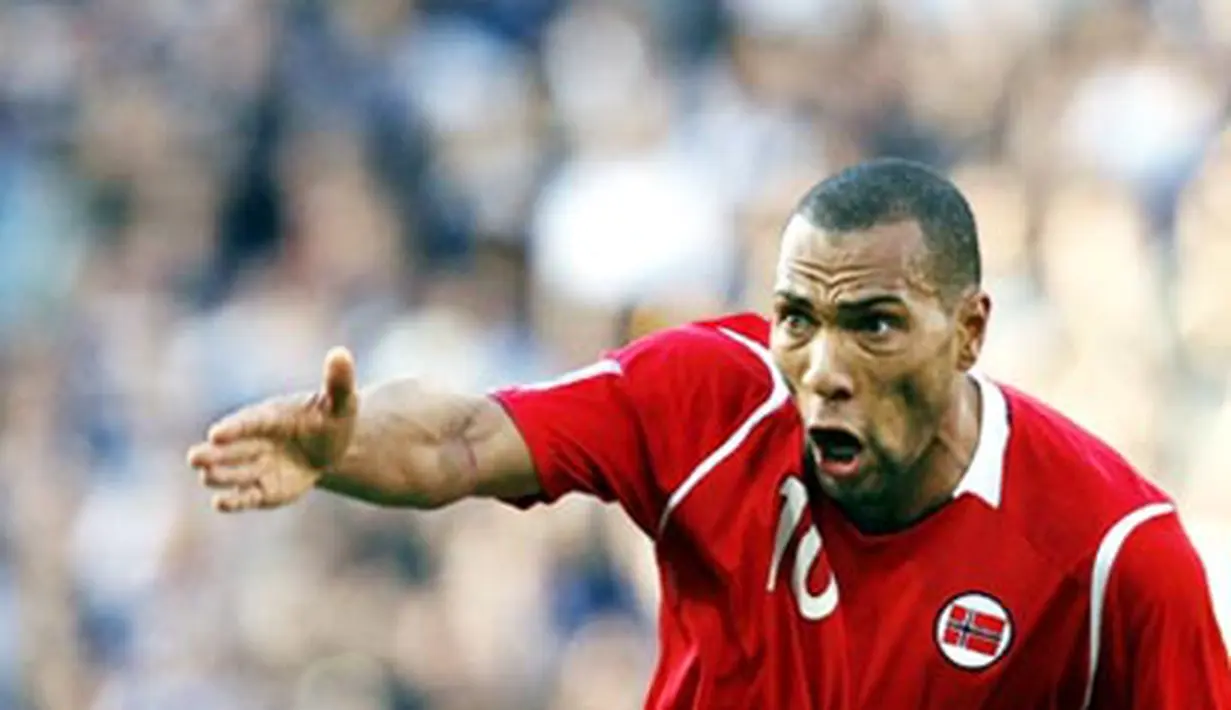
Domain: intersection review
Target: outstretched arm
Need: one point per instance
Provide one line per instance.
(397, 444)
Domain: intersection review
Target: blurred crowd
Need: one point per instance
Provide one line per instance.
(199, 197)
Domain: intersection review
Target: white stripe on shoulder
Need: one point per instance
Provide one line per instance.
(777, 397)
(1104, 560)
(595, 369)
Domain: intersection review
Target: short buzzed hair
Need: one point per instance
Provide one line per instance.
(889, 190)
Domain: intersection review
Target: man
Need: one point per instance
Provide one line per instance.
(690, 430)
(990, 553)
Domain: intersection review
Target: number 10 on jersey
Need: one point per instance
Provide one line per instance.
(813, 607)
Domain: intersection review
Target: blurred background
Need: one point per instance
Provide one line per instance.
(198, 197)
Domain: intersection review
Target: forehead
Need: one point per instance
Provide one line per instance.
(885, 257)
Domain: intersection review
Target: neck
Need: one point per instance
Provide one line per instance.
(913, 494)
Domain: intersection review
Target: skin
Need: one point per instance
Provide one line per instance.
(871, 344)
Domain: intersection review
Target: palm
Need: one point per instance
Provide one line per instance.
(271, 453)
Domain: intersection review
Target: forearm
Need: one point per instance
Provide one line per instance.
(414, 447)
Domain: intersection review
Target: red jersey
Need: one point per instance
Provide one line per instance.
(693, 433)
(1057, 578)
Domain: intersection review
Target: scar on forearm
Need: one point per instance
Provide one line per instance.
(459, 438)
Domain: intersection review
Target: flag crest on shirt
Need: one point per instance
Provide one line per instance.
(973, 630)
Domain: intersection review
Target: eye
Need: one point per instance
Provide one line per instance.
(796, 324)
(877, 325)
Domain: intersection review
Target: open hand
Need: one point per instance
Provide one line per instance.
(269, 454)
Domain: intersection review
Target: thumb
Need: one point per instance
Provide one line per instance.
(339, 388)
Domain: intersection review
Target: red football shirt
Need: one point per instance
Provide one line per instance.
(1056, 578)
(693, 433)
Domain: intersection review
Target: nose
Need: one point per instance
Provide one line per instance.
(825, 375)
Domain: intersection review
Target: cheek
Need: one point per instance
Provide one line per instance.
(922, 396)
(924, 399)
(791, 365)
(790, 362)
(909, 403)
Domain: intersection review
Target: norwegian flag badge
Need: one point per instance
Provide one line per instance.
(973, 631)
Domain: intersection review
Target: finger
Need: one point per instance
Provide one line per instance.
(275, 418)
(238, 500)
(339, 389)
(229, 476)
(198, 455)
(236, 453)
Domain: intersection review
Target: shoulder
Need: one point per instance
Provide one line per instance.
(1155, 640)
(723, 361)
(1157, 568)
(1067, 489)
(1153, 600)
(1100, 519)
(739, 338)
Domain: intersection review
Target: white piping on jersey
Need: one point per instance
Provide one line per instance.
(594, 369)
(985, 476)
(777, 397)
(1104, 559)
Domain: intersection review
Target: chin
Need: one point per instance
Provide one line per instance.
(853, 489)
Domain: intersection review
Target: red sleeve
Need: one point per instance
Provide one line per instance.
(585, 435)
(1162, 648)
(630, 428)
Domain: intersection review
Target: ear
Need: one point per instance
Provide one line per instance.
(972, 318)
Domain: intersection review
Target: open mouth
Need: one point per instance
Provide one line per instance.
(838, 450)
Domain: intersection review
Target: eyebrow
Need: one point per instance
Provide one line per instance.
(858, 304)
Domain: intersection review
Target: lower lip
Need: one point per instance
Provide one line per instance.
(838, 469)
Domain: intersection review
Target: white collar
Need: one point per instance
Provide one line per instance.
(985, 477)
